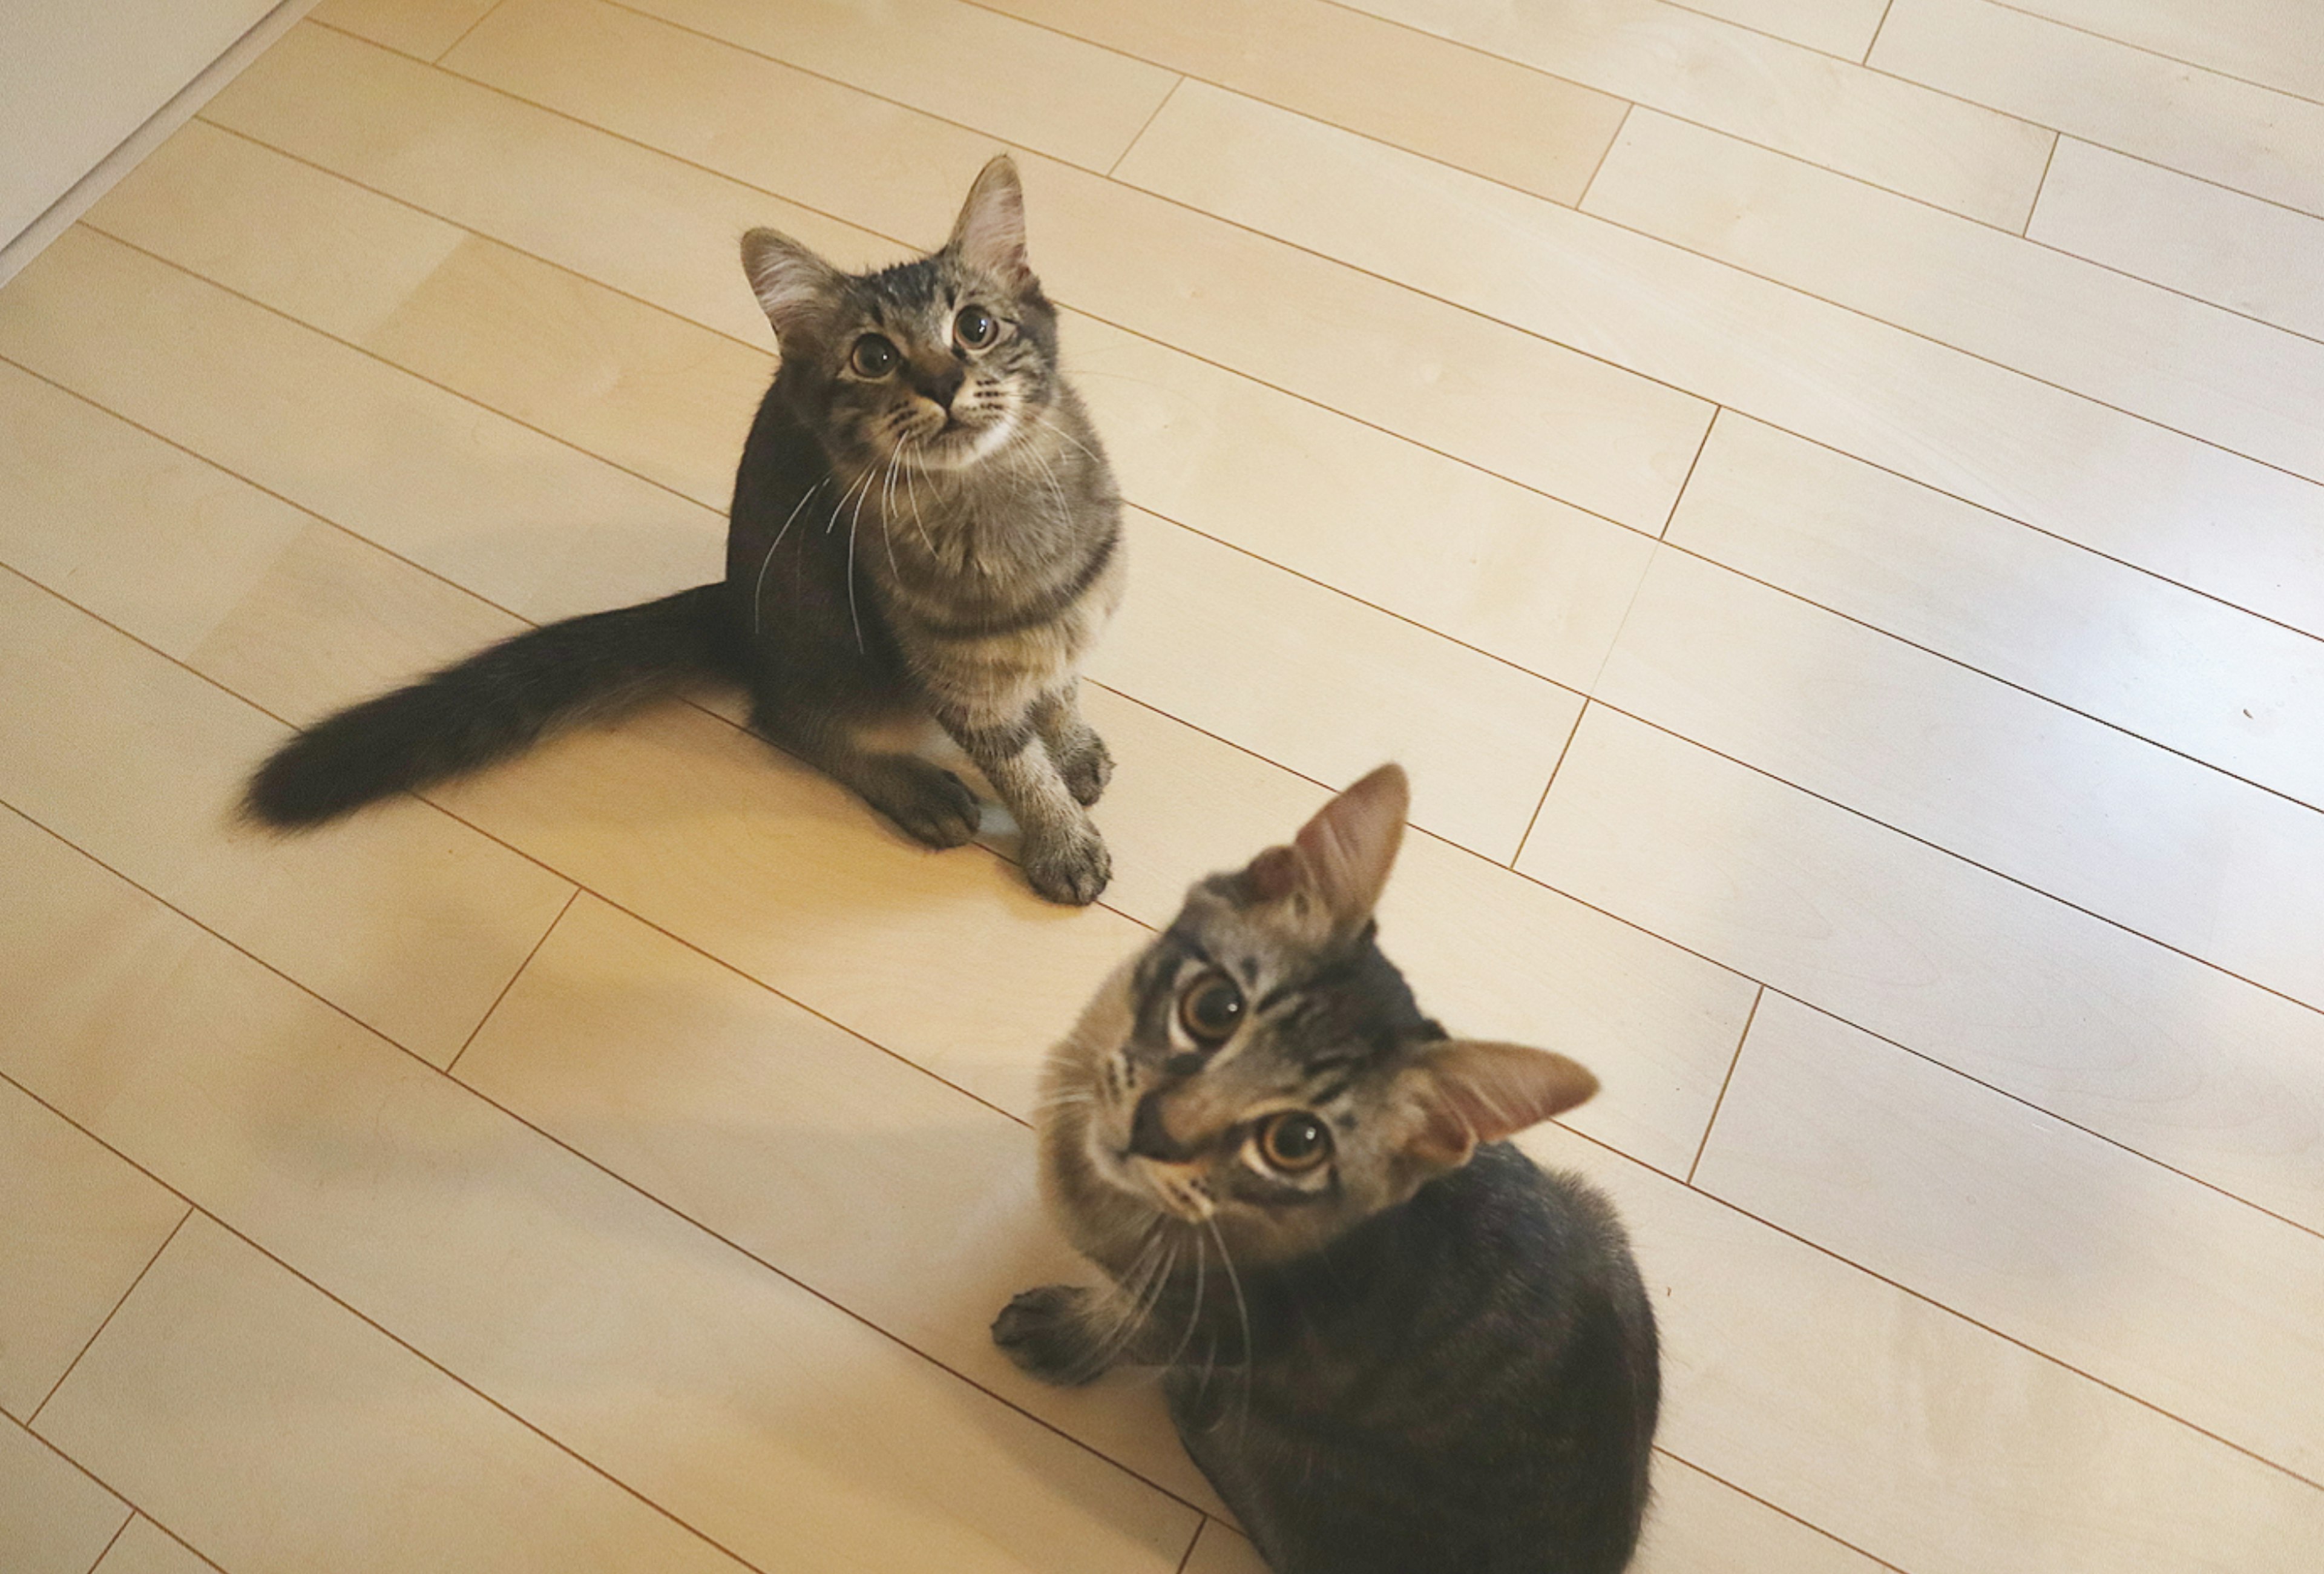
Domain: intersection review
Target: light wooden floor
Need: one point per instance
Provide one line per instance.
(1823, 495)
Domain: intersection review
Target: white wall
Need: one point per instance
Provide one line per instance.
(78, 76)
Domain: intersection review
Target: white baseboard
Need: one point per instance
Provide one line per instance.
(182, 107)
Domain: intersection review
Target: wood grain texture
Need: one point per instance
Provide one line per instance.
(2255, 257)
(2143, 1279)
(80, 1224)
(1939, 606)
(534, 1278)
(2154, 497)
(1546, 134)
(2267, 143)
(1764, 90)
(2153, 353)
(2173, 1059)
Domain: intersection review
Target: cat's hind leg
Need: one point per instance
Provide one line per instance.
(926, 802)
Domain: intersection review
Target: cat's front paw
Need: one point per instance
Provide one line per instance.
(1045, 1332)
(1070, 866)
(1087, 767)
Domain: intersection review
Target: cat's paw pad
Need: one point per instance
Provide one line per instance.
(1087, 768)
(928, 802)
(1071, 867)
(1043, 1331)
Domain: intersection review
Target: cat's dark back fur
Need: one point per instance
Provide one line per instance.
(1429, 1355)
(924, 527)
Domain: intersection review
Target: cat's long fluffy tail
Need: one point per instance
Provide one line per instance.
(495, 704)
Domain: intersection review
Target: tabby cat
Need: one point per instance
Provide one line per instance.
(1393, 1344)
(924, 525)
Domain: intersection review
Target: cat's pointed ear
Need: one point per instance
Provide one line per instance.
(1465, 1091)
(1341, 859)
(989, 236)
(794, 285)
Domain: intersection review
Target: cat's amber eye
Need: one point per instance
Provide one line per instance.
(1294, 1142)
(974, 327)
(1210, 1009)
(873, 356)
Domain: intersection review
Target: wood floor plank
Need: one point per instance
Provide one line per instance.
(2173, 1059)
(619, 378)
(54, 1518)
(79, 1226)
(1492, 563)
(2243, 531)
(2217, 244)
(1764, 90)
(144, 1548)
(744, 1405)
(1837, 27)
(2146, 1280)
(1784, 1372)
(173, 552)
(958, 61)
(1567, 424)
(528, 523)
(1537, 582)
(1699, 1525)
(823, 144)
(423, 29)
(655, 394)
(942, 957)
(608, 208)
(328, 618)
(133, 758)
(2248, 137)
(2268, 41)
(903, 1200)
(2196, 368)
(79, 493)
(1543, 134)
(1220, 1549)
(1330, 688)
(2161, 844)
(282, 1433)
(2159, 661)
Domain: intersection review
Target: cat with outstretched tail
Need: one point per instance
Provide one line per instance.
(924, 526)
(1393, 1343)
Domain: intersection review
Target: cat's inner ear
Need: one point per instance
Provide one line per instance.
(794, 286)
(1463, 1092)
(989, 236)
(1341, 859)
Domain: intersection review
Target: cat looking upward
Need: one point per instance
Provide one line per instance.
(924, 526)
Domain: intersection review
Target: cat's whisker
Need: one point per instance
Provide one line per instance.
(1242, 1309)
(1049, 475)
(912, 490)
(887, 512)
(1134, 1320)
(1194, 1312)
(1043, 419)
(840, 507)
(758, 590)
(854, 522)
